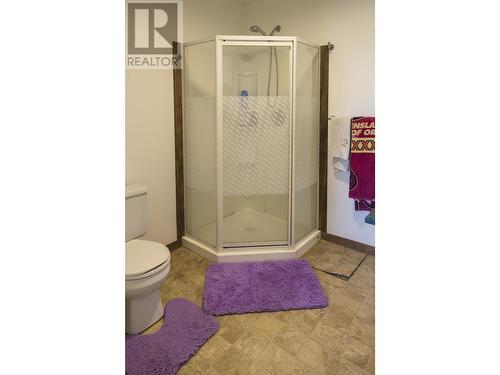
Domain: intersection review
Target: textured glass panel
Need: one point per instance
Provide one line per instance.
(200, 142)
(306, 141)
(256, 150)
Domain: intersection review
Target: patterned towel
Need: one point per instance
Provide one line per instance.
(362, 179)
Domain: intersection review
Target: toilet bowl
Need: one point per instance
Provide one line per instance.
(147, 264)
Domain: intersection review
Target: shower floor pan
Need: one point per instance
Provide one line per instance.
(249, 227)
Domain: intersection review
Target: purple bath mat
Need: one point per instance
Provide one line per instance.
(185, 329)
(232, 288)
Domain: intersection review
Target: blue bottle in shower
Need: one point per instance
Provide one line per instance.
(244, 100)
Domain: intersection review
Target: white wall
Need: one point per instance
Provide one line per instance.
(149, 102)
(350, 26)
(150, 147)
(150, 117)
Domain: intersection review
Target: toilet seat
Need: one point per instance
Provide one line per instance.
(153, 272)
(145, 258)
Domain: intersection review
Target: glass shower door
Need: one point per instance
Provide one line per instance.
(256, 142)
(306, 161)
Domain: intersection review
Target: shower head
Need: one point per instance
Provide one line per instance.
(257, 29)
(277, 28)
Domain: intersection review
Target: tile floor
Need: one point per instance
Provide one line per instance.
(338, 339)
(334, 259)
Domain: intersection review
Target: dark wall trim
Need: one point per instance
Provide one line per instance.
(179, 148)
(323, 136)
(368, 249)
(174, 245)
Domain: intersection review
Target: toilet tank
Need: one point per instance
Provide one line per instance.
(135, 211)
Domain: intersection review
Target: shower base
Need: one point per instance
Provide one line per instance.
(248, 226)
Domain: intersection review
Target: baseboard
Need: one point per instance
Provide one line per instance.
(368, 249)
(174, 245)
(199, 248)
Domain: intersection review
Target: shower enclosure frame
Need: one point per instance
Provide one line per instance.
(254, 251)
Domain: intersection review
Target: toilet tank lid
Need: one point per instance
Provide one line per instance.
(133, 190)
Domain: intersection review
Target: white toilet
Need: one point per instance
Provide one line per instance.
(147, 264)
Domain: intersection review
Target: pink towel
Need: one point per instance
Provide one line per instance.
(362, 179)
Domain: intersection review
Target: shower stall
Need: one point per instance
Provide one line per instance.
(251, 147)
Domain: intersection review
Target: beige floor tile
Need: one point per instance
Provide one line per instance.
(364, 275)
(327, 337)
(320, 249)
(253, 369)
(248, 319)
(330, 283)
(363, 331)
(319, 313)
(169, 276)
(306, 315)
(316, 251)
(232, 362)
(314, 356)
(214, 348)
(334, 258)
(181, 257)
(339, 316)
(193, 278)
(303, 321)
(233, 326)
(354, 351)
(278, 362)
(367, 313)
(231, 331)
(197, 366)
(340, 366)
(372, 282)
(360, 280)
(367, 271)
(349, 297)
(330, 246)
(355, 291)
(212, 371)
(370, 262)
(335, 264)
(175, 288)
(370, 297)
(365, 282)
(198, 300)
(269, 325)
(290, 339)
(365, 268)
(284, 315)
(244, 320)
(251, 343)
(351, 253)
(355, 294)
(370, 366)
